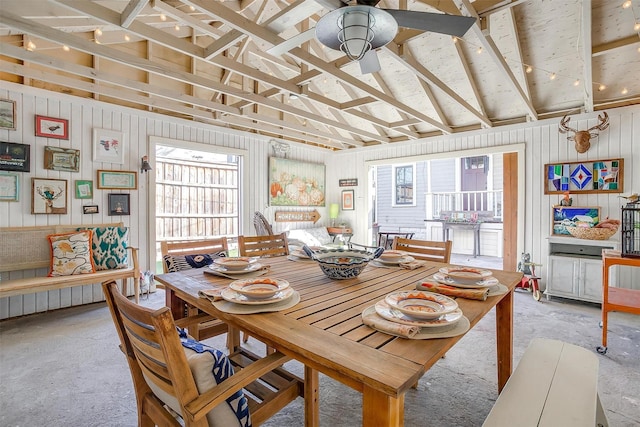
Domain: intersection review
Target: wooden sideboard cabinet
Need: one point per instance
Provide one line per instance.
(574, 268)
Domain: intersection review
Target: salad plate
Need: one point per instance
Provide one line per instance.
(396, 261)
(231, 295)
(235, 263)
(421, 305)
(251, 268)
(465, 275)
(480, 284)
(385, 311)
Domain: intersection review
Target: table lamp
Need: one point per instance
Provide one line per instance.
(334, 210)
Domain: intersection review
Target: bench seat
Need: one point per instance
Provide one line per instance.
(555, 384)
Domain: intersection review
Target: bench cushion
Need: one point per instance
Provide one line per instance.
(317, 236)
(71, 253)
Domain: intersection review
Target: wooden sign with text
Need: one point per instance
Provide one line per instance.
(349, 182)
(296, 216)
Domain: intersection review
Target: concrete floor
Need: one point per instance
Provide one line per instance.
(64, 368)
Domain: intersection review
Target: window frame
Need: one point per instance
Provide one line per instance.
(394, 175)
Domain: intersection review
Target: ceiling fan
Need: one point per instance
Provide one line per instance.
(359, 29)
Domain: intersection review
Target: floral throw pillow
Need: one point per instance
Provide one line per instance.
(109, 247)
(71, 253)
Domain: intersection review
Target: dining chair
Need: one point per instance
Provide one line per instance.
(426, 250)
(187, 254)
(264, 246)
(174, 372)
(262, 226)
(385, 239)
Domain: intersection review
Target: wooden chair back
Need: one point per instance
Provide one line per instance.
(425, 250)
(155, 355)
(263, 246)
(192, 247)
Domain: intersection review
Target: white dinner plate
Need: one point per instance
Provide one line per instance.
(406, 258)
(387, 312)
(481, 284)
(421, 305)
(230, 295)
(250, 269)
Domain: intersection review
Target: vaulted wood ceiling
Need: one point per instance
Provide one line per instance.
(207, 61)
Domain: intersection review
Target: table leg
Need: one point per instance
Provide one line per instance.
(174, 303)
(311, 397)
(605, 301)
(379, 409)
(504, 338)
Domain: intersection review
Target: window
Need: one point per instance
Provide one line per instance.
(404, 177)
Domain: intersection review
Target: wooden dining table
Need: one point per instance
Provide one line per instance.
(325, 330)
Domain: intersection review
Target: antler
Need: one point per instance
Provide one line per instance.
(604, 122)
(563, 128)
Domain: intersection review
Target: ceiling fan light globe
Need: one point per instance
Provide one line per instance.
(356, 33)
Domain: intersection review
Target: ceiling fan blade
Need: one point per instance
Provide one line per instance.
(369, 62)
(331, 4)
(452, 25)
(294, 41)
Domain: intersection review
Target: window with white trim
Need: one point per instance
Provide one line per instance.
(404, 177)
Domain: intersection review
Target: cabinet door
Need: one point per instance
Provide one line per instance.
(591, 280)
(563, 276)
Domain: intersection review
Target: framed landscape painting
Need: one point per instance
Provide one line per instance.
(572, 216)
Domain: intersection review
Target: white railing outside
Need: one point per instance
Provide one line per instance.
(464, 201)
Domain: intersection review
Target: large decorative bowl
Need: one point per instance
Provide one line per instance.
(340, 264)
(592, 233)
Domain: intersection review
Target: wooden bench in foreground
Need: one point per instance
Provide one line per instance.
(555, 384)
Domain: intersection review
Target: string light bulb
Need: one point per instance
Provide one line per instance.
(529, 69)
(177, 27)
(31, 46)
(601, 87)
(577, 82)
(127, 37)
(98, 32)
(624, 91)
(626, 4)
(636, 27)
(163, 17)
(479, 49)
(65, 48)
(552, 76)
(455, 39)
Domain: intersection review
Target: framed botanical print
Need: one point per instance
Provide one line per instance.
(50, 127)
(108, 146)
(9, 187)
(48, 196)
(62, 159)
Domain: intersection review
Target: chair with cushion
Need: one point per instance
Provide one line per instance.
(175, 374)
(263, 246)
(424, 249)
(187, 254)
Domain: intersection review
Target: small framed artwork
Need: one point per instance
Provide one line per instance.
(15, 157)
(9, 187)
(84, 189)
(52, 128)
(117, 180)
(347, 200)
(7, 114)
(48, 196)
(90, 209)
(119, 204)
(572, 216)
(62, 159)
(108, 146)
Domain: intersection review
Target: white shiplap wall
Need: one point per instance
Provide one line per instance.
(138, 126)
(542, 144)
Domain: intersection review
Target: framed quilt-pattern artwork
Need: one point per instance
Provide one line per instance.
(594, 176)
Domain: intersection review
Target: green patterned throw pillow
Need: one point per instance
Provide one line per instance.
(109, 246)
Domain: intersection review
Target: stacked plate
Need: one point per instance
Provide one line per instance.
(300, 254)
(235, 265)
(393, 257)
(419, 308)
(466, 277)
(257, 291)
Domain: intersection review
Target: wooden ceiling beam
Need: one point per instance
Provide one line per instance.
(587, 48)
(603, 48)
(131, 11)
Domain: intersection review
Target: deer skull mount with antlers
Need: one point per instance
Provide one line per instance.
(583, 137)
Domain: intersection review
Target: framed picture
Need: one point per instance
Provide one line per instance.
(347, 200)
(118, 204)
(572, 216)
(7, 114)
(84, 189)
(15, 157)
(108, 146)
(48, 196)
(62, 159)
(294, 183)
(9, 187)
(90, 209)
(52, 128)
(118, 180)
(593, 176)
